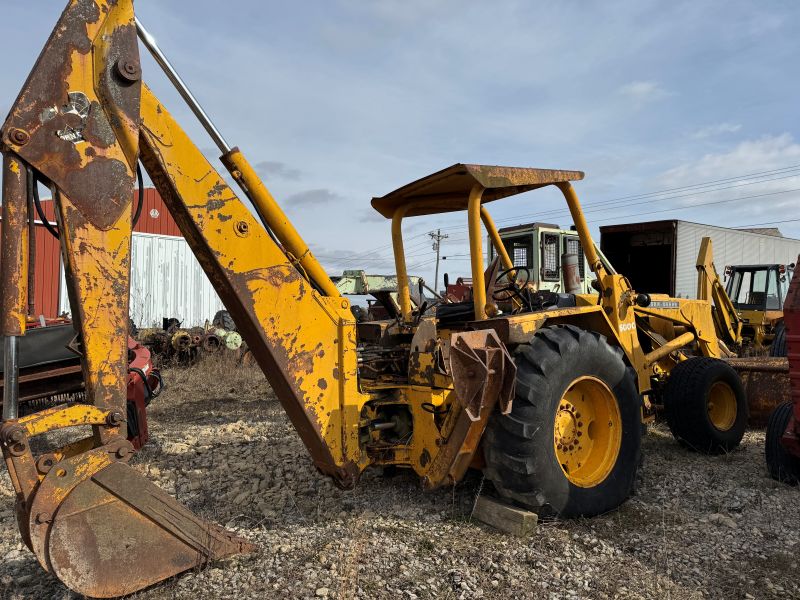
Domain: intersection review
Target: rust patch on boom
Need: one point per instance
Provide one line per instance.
(52, 115)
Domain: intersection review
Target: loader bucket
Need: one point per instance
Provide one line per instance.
(116, 533)
(766, 383)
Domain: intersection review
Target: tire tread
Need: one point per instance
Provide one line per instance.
(513, 442)
(782, 465)
(685, 406)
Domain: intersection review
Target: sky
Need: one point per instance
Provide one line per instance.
(674, 110)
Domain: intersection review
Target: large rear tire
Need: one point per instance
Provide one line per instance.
(571, 445)
(782, 465)
(705, 405)
(778, 345)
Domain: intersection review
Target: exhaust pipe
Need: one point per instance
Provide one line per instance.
(571, 273)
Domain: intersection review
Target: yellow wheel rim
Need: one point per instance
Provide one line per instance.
(721, 406)
(588, 432)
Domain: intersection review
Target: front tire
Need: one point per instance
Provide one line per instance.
(705, 405)
(782, 465)
(571, 445)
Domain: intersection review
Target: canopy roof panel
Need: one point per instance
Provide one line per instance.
(448, 190)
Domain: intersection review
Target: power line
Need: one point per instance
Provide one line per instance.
(694, 206)
(593, 206)
(690, 207)
(707, 183)
(367, 255)
(362, 253)
(652, 212)
(767, 223)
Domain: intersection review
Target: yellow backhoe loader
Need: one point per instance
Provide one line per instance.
(742, 334)
(544, 392)
(749, 310)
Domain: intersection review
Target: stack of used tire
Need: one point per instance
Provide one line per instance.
(173, 344)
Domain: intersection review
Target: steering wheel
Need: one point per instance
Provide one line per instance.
(512, 288)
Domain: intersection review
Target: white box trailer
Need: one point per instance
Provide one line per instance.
(660, 256)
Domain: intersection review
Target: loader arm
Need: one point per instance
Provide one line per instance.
(709, 288)
(82, 121)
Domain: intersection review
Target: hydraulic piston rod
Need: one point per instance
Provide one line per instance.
(150, 43)
(272, 217)
(10, 378)
(13, 276)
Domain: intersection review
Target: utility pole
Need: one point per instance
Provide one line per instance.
(437, 242)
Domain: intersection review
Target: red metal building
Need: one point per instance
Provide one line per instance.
(154, 219)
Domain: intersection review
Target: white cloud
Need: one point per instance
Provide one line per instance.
(643, 92)
(336, 260)
(767, 153)
(274, 168)
(760, 183)
(715, 130)
(312, 198)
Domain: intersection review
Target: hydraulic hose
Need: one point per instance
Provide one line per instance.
(140, 181)
(33, 185)
(33, 181)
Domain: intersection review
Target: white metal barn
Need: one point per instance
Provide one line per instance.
(166, 281)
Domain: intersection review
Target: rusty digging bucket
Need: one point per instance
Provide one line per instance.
(93, 521)
(766, 383)
(117, 533)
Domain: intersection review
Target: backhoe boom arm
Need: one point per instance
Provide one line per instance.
(82, 121)
(709, 288)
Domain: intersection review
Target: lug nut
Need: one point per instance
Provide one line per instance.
(123, 451)
(242, 228)
(129, 70)
(19, 136)
(114, 419)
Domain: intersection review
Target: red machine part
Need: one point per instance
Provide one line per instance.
(460, 291)
(791, 316)
(144, 384)
(34, 322)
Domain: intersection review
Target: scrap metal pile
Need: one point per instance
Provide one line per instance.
(173, 344)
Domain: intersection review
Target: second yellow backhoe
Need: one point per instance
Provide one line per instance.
(545, 392)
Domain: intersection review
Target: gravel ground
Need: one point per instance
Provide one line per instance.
(698, 527)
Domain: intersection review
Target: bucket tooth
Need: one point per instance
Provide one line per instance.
(117, 533)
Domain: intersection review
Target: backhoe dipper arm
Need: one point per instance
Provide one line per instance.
(81, 122)
(709, 288)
